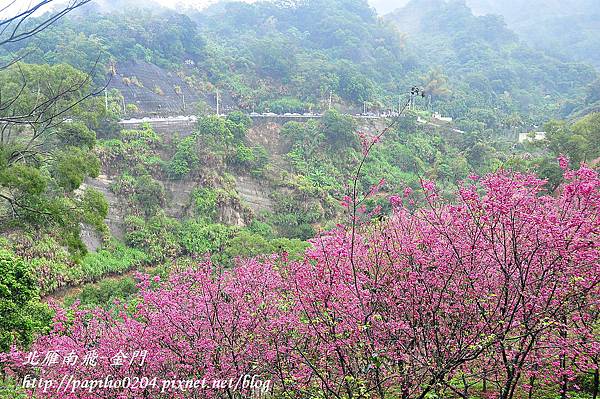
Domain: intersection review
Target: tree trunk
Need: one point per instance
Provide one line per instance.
(563, 364)
(531, 383)
(595, 388)
(465, 387)
(563, 388)
(506, 389)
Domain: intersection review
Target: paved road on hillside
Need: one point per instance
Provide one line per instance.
(193, 118)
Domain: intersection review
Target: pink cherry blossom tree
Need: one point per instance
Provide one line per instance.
(498, 285)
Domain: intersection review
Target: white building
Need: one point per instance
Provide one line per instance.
(531, 136)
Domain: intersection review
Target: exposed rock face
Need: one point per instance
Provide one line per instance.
(233, 213)
(253, 193)
(117, 208)
(91, 238)
(157, 91)
(178, 197)
(267, 134)
(178, 192)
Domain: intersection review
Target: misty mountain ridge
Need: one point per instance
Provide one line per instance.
(565, 29)
(292, 55)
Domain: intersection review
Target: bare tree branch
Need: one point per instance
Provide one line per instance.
(25, 126)
(15, 29)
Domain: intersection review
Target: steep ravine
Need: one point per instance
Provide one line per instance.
(252, 195)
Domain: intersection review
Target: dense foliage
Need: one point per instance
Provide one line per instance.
(21, 314)
(43, 161)
(568, 29)
(54, 268)
(489, 75)
(293, 56)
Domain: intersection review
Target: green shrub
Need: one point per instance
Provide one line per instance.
(244, 155)
(145, 134)
(149, 195)
(72, 165)
(251, 159)
(284, 105)
(185, 158)
(11, 389)
(262, 228)
(205, 203)
(132, 108)
(247, 244)
(76, 134)
(199, 238)
(22, 315)
(159, 236)
(222, 133)
(241, 119)
(117, 259)
(293, 247)
(95, 208)
(106, 292)
(339, 129)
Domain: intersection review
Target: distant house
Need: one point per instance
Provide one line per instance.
(189, 62)
(441, 118)
(531, 136)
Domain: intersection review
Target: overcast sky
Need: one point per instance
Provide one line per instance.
(11, 7)
(382, 6)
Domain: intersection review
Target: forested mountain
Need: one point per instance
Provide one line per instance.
(487, 65)
(284, 57)
(565, 29)
(519, 10)
(568, 29)
(290, 56)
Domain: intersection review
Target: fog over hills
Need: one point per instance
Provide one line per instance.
(522, 10)
(512, 10)
(382, 6)
(568, 29)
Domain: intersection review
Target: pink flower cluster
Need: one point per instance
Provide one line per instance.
(500, 286)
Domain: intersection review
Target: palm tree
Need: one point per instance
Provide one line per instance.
(435, 85)
(513, 122)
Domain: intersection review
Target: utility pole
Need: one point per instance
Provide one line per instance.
(414, 91)
(218, 113)
(105, 100)
(330, 95)
(183, 99)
